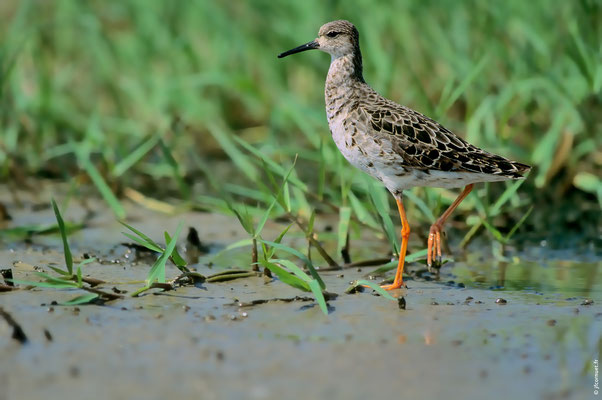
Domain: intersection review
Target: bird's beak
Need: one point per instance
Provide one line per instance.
(307, 46)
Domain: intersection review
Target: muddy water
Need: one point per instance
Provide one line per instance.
(453, 340)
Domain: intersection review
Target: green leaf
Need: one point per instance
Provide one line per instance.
(60, 271)
(286, 276)
(265, 217)
(157, 271)
(380, 202)
(184, 187)
(518, 224)
(45, 284)
(66, 250)
(269, 251)
(271, 164)
(143, 243)
(52, 279)
(317, 290)
(294, 269)
(343, 231)
(103, 188)
(142, 239)
(503, 199)
(374, 286)
(87, 261)
(301, 256)
(82, 299)
(175, 256)
(134, 156)
(361, 212)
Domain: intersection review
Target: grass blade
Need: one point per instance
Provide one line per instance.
(66, 250)
(286, 276)
(103, 188)
(301, 256)
(84, 298)
(374, 286)
(317, 291)
(157, 271)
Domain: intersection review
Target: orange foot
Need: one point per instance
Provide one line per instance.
(433, 257)
(393, 286)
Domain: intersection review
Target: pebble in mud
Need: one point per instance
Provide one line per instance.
(501, 301)
(47, 335)
(551, 322)
(401, 303)
(587, 302)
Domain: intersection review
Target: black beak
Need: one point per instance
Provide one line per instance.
(307, 46)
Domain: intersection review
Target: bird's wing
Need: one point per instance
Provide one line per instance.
(426, 144)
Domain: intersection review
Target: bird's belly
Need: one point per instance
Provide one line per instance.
(363, 152)
(355, 148)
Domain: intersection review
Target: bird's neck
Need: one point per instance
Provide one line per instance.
(345, 70)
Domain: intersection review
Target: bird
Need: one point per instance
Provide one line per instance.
(400, 147)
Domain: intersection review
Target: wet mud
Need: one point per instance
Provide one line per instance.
(525, 327)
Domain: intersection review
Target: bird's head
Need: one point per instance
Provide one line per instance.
(337, 38)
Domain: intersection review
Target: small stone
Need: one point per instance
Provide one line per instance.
(551, 322)
(500, 301)
(587, 302)
(186, 308)
(340, 276)
(401, 303)
(50, 309)
(478, 302)
(461, 285)
(434, 303)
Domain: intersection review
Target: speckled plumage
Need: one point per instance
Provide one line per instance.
(395, 144)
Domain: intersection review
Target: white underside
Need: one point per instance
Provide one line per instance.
(435, 178)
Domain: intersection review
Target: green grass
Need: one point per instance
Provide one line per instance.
(67, 278)
(177, 100)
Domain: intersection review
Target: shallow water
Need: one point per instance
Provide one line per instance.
(196, 341)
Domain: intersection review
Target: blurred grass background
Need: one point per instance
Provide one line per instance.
(187, 100)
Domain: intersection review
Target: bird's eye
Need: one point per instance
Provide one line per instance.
(332, 34)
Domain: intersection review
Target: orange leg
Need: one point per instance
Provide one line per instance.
(405, 234)
(434, 241)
